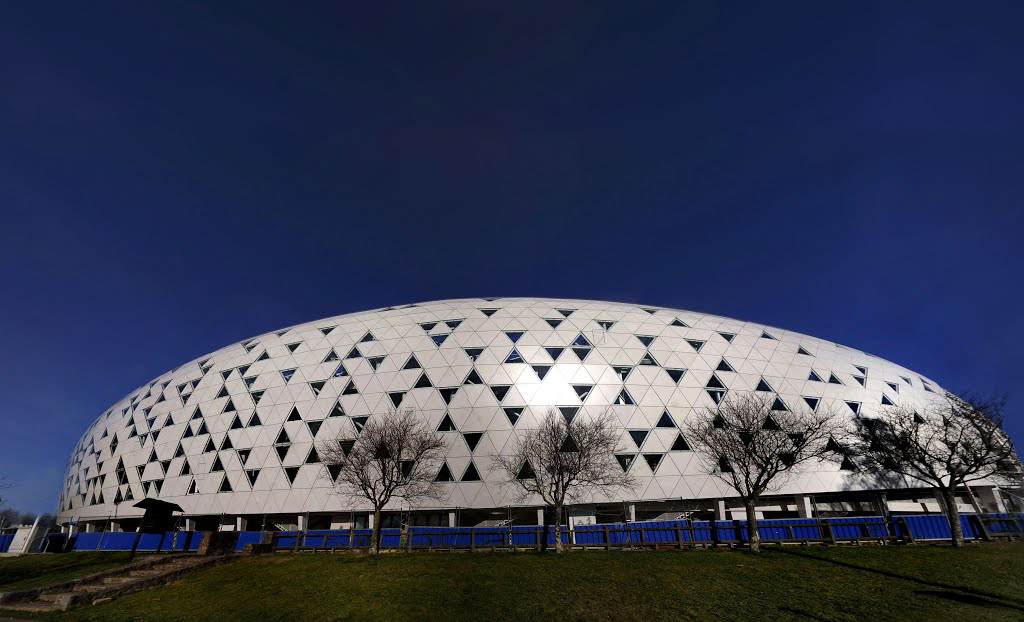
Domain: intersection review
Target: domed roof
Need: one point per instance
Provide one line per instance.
(232, 431)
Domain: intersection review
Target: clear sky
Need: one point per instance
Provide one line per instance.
(175, 177)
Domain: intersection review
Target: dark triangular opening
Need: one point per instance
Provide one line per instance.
(444, 474)
(470, 474)
(569, 445)
(582, 391)
(665, 421)
(412, 363)
(446, 425)
(447, 393)
(514, 357)
(648, 359)
(291, 473)
(500, 391)
(472, 438)
(473, 378)
(680, 444)
(653, 460)
(526, 472)
(812, 402)
(762, 385)
(513, 414)
(541, 370)
(625, 460)
(568, 412)
(638, 436)
(423, 382)
(624, 398)
(554, 352)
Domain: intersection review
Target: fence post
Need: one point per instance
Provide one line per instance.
(472, 539)
(982, 527)
(906, 528)
(679, 537)
(826, 531)
(607, 539)
(536, 536)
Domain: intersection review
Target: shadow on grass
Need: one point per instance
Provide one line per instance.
(958, 593)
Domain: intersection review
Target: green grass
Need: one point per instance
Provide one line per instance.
(29, 571)
(920, 582)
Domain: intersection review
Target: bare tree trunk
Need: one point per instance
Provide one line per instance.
(753, 535)
(375, 546)
(953, 515)
(558, 528)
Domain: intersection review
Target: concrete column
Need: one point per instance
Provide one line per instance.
(190, 524)
(720, 510)
(631, 512)
(540, 516)
(115, 526)
(451, 519)
(300, 522)
(240, 523)
(90, 527)
(804, 507)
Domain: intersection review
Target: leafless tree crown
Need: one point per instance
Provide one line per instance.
(561, 461)
(952, 441)
(395, 456)
(752, 443)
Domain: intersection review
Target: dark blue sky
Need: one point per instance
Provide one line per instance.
(177, 177)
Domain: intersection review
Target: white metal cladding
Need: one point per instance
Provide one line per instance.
(482, 362)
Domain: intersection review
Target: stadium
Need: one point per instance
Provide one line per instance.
(229, 436)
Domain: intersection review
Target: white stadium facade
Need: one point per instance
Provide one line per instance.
(229, 436)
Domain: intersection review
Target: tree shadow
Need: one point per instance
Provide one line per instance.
(959, 593)
(967, 599)
(804, 614)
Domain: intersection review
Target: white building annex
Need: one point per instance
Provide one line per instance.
(229, 436)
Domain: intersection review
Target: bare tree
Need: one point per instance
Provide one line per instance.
(561, 461)
(946, 445)
(753, 442)
(395, 456)
(4, 483)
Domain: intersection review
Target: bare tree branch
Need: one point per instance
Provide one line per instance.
(395, 456)
(754, 447)
(945, 445)
(561, 462)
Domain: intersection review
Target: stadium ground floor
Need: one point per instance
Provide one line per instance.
(976, 499)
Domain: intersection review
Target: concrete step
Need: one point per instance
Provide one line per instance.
(34, 606)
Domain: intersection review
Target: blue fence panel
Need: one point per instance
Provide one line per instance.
(936, 526)
(123, 541)
(844, 531)
(1001, 527)
(247, 537)
(5, 542)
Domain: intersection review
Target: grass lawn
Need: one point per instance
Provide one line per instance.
(920, 582)
(28, 571)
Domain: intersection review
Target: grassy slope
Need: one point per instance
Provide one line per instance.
(983, 582)
(28, 571)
